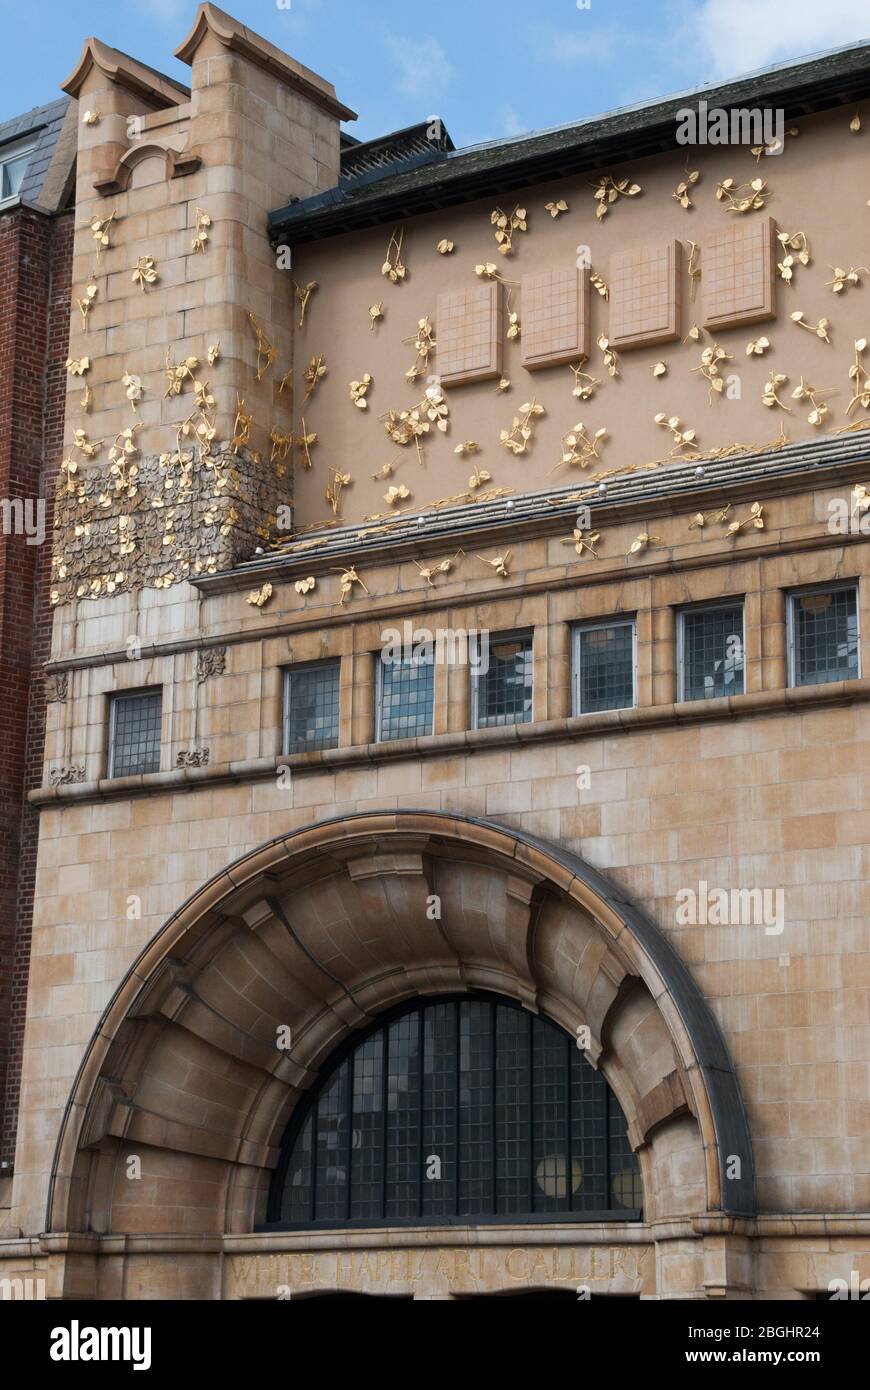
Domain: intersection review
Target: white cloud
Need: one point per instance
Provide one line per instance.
(510, 122)
(739, 35)
(570, 48)
(424, 67)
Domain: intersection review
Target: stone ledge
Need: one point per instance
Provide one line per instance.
(466, 741)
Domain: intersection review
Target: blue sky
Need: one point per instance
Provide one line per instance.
(489, 68)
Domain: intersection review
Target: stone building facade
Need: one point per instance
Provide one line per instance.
(399, 700)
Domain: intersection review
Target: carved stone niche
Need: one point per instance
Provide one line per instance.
(210, 662)
(56, 687)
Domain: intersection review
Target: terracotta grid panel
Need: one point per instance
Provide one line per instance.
(645, 296)
(470, 331)
(738, 274)
(555, 316)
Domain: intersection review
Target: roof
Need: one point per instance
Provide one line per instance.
(822, 82)
(691, 484)
(46, 124)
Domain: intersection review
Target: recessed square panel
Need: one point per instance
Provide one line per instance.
(645, 296)
(470, 331)
(738, 269)
(555, 316)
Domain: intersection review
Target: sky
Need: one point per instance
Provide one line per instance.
(488, 68)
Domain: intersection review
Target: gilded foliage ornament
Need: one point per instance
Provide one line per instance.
(818, 408)
(757, 347)
(579, 448)
(683, 190)
(305, 441)
(744, 197)
(394, 267)
(506, 225)
(85, 304)
(608, 190)
(424, 345)
(77, 366)
(770, 395)
(499, 563)
(821, 329)
(200, 238)
(303, 294)
(445, 247)
(177, 373)
(754, 519)
(517, 438)
(334, 488)
(641, 543)
(313, 375)
(796, 250)
(599, 284)
(709, 368)
(611, 360)
(844, 278)
(859, 378)
(241, 426)
(145, 272)
(583, 541)
(266, 353)
(305, 586)
(584, 384)
(100, 230)
(258, 598)
(349, 578)
(683, 438)
(429, 572)
(556, 208)
(376, 313)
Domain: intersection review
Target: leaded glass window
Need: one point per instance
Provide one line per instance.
(406, 695)
(711, 660)
(467, 1110)
(824, 636)
(134, 733)
(502, 692)
(311, 707)
(603, 667)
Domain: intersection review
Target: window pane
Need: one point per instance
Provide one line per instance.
(407, 692)
(625, 1188)
(512, 1110)
(367, 1125)
(606, 676)
(312, 708)
(403, 1116)
(475, 1109)
(825, 637)
(13, 174)
(504, 691)
(713, 653)
(332, 1148)
(298, 1190)
(136, 734)
(556, 1174)
(589, 1095)
(439, 1110)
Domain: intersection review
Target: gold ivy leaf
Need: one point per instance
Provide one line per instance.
(855, 123)
(77, 366)
(770, 395)
(445, 247)
(258, 597)
(554, 209)
(683, 190)
(91, 118)
(820, 329)
(499, 563)
(660, 369)
(376, 312)
(478, 478)
(468, 446)
(214, 353)
(203, 222)
(757, 347)
(514, 326)
(394, 494)
(358, 391)
(640, 543)
(304, 586)
(393, 267)
(144, 272)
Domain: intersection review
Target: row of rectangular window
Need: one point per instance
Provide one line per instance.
(823, 646)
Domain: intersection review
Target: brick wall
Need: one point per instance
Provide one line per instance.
(35, 275)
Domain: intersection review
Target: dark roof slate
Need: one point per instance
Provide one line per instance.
(46, 122)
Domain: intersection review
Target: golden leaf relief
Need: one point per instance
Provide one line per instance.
(744, 197)
(145, 272)
(445, 247)
(203, 222)
(844, 278)
(266, 353)
(611, 360)
(683, 438)
(393, 267)
(305, 586)
(313, 375)
(303, 294)
(608, 190)
(499, 563)
(579, 448)
(683, 190)
(517, 438)
(584, 384)
(506, 225)
(259, 597)
(821, 329)
(641, 542)
(555, 209)
(349, 578)
(757, 347)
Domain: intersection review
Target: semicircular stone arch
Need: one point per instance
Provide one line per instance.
(320, 931)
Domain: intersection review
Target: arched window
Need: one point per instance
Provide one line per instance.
(457, 1110)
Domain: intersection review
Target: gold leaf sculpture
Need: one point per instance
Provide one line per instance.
(305, 441)
(855, 123)
(517, 438)
(376, 313)
(608, 190)
(305, 586)
(693, 335)
(424, 345)
(259, 597)
(178, 373)
(396, 494)
(214, 353)
(428, 572)
(683, 190)
(478, 478)
(584, 542)
(468, 446)
(700, 519)
(203, 222)
(859, 378)
(796, 248)
(640, 543)
(770, 395)
(303, 294)
(660, 369)
(584, 384)
(385, 471)
(241, 426)
(599, 284)
(506, 225)
(757, 347)
(693, 270)
(145, 272)
(514, 328)
(683, 439)
(819, 408)
(313, 375)
(579, 448)
(820, 329)
(503, 385)
(125, 445)
(405, 426)
(89, 448)
(755, 519)
(266, 353)
(77, 366)
(555, 209)
(445, 247)
(86, 303)
(132, 388)
(499, 563)
(844, 278)
(359, 391)
(709, 368)
(281, 445)
(744, 197)
(92, 118)
(87, 398)
(334, 488)
(100, 229)
(349, 578)
(611, 360)
(394, 267)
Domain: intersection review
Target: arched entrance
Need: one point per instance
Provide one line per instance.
(225, 1021)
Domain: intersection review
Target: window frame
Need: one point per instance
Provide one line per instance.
(691, 609)
(515, 635)
(286, 674)
(14, 150)
(306, 1108)
(379, 701)
(598, 625)
(791, 635)
(115, 696)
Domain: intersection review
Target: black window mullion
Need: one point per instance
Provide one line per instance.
(531, 1105)
(347, 1167)
(315, 1139)
(569, 1160)
(493, 1106)
(456, 1109)
(421, 1038)
(385, 1051)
